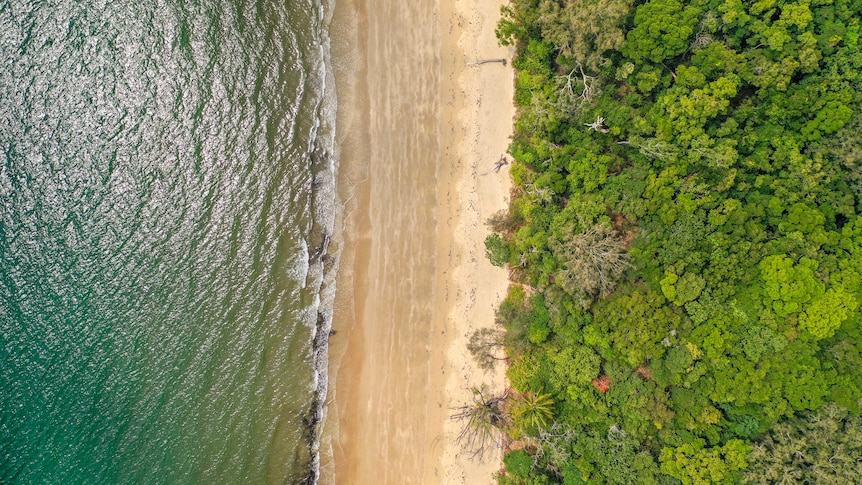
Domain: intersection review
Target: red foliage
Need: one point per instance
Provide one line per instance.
(602, 383)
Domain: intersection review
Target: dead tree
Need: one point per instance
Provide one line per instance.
(542, 195)
(592, 261)
(486, 346)
(554, 444)
(575, 91)
(597, 125)
(589, 91)
(482, 421)
(655, 148)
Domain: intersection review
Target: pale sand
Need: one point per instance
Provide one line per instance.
(420, 133)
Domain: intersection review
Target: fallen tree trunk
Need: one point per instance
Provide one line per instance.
(485, 61)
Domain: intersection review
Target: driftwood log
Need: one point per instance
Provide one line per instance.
(499, 164)
(485, 61)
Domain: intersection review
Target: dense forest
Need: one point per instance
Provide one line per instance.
(685, 243)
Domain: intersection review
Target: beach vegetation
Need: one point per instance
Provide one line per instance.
(482, 421)
(533, 410)
(486, 346)
(497, 249)
(684, 242)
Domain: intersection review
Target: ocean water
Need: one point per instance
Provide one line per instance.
(166, 203)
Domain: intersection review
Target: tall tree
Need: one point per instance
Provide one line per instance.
(822, 447)
(592, 261)
(584, 30)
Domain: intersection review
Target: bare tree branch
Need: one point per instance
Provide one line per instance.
(486, 346)
(592, 261)
(482, 421)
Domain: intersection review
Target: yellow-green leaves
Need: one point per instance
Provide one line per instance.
(694, 465)
(826, 313)
(787, 286)
(662, 30)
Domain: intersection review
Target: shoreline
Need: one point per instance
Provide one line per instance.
(326, 238)
(418, 141)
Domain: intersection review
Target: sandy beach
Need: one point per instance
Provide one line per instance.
(420, 130)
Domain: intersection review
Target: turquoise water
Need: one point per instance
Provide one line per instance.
(165, 194)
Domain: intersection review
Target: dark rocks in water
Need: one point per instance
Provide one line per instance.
(320, 251)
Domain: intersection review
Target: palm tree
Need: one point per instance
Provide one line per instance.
(534, 409)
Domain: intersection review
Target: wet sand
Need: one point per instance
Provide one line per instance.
(420, 132)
